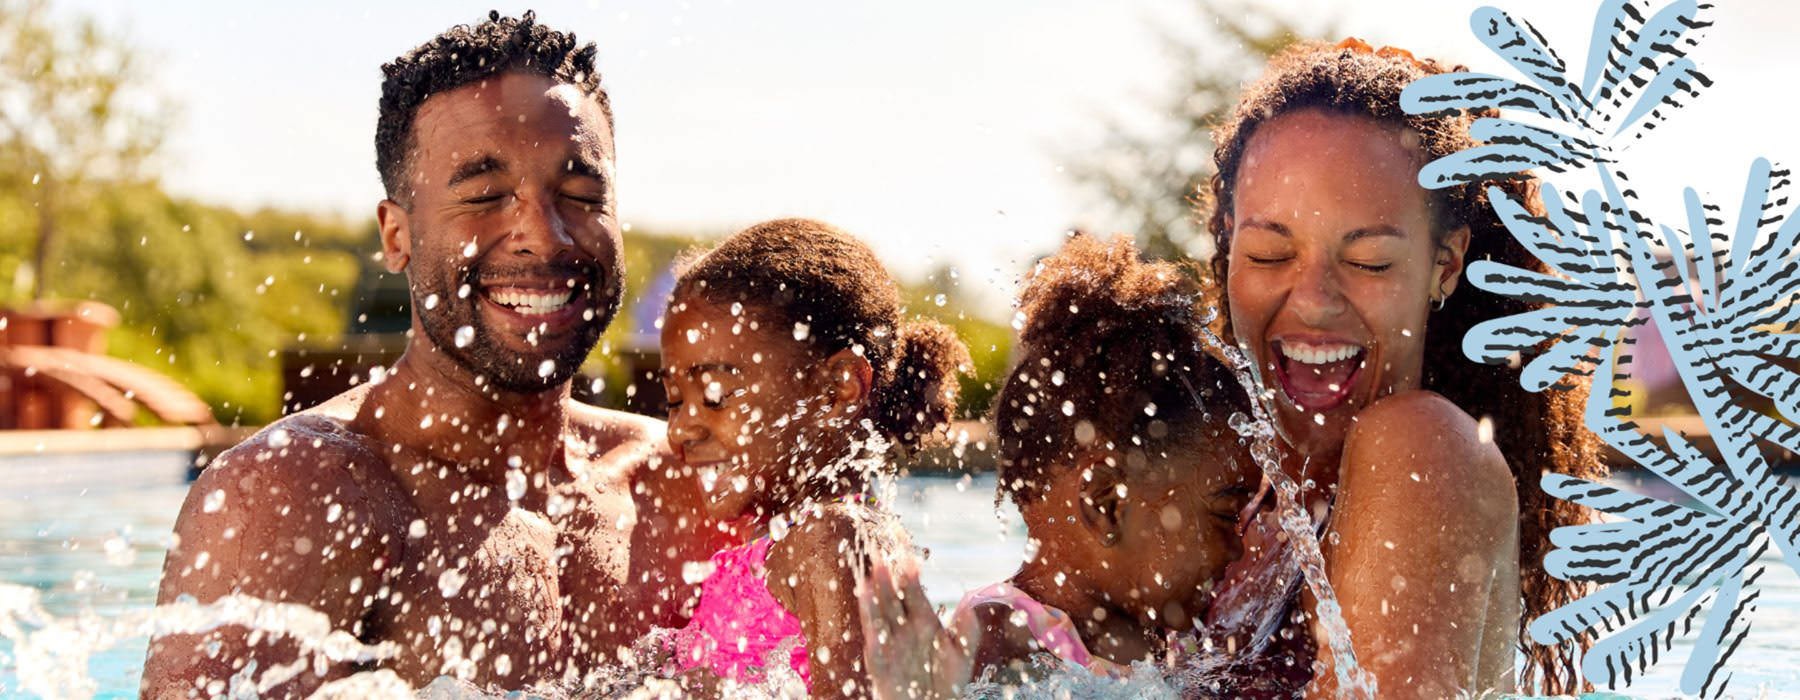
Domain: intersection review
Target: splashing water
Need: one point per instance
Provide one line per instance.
(1259, 428)
(51, 654)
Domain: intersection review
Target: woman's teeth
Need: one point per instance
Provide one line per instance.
(1318, 354)
(532, 303)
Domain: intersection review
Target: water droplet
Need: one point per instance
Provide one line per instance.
(694, 572)
(469, 249)
(1319, 418)
(801, 331)
(547, 368)
(1484, 430)
(778, 528)
(1056, 378)
(1068, 408)
(451, 582)
(462, 292)
(715, 393)
(515, 484)
(693, 335)
(940, 300)
(333, 512)
(416, 530)
(214, 501)
(279, 438)
(119, 551)
(1150, 409)
(464, 336)
(431, 301)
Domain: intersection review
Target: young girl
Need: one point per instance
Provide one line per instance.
(790, 374)
(1114, 442)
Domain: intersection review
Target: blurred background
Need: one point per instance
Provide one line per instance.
(202, 173)
(187, 194)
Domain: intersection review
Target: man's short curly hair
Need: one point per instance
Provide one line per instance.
(466, 54)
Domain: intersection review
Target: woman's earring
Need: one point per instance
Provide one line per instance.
(1439, 303)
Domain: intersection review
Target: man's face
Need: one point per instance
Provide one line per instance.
(511, 243)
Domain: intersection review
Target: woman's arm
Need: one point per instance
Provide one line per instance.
(1425, 525)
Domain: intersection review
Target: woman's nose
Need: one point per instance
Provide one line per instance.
(1317, 296)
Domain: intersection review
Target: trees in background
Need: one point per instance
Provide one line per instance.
(206, 294)
(1151, 164)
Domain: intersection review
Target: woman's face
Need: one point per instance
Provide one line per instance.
(1333, 268)
(740, 401)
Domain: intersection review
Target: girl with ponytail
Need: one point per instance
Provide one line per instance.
(791, 376)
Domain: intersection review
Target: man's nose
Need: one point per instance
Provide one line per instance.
(1318, 295)
(539, 229)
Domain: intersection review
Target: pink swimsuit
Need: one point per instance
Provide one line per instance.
(738, 622)
(1052, 628)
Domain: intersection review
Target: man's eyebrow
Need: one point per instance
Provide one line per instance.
(1373, 231)
(582, 166)
(1267, 226)
(475, 168)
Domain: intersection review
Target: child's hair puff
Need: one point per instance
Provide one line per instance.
(1111, 350)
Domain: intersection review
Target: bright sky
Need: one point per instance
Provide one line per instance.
(931, 128)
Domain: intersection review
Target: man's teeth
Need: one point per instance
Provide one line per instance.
(531, 303)
(1318, 354)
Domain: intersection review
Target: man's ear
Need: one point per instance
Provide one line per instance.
(1099, 496)
(1450, 258)
(396, 235)
(848, 380)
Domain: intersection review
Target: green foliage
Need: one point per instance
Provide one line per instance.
(1152, 173)
(75, 115)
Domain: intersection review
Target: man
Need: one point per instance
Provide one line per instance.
(462, 511)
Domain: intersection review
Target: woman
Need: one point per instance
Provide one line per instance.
(1341, 277)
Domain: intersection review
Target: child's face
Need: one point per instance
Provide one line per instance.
(739, 400)
(1149, 534)
(1177, 532)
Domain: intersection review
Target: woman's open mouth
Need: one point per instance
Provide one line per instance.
(1317, 376)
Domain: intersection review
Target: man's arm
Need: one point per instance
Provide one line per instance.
(278, 518)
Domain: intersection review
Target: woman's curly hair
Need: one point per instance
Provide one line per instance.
(1111, 350)
(798, 271)
(1537, 432)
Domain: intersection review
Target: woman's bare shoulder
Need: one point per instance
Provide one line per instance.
(1419, 443)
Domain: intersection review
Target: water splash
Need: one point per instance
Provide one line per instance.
(1260, 428)
(51, 654)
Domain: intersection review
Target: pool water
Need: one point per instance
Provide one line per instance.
(96, 549)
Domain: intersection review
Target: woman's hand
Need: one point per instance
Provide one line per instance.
(908, 653)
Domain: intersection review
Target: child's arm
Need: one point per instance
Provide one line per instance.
(909, 653)
(810, 575)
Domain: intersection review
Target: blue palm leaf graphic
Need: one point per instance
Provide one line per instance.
(1723, 298)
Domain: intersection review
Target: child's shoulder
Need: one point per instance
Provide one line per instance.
(839, 527)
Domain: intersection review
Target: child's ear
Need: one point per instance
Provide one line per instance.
(1100, 498)
(848, 379)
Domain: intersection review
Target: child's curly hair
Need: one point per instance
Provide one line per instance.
(1111, 351)
(1537, 432)
(800, 271)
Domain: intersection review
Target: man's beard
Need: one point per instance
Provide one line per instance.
(482, 354)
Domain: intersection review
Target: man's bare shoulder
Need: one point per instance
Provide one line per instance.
(624, 443)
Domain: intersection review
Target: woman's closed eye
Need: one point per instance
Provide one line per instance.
(1370, 266)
